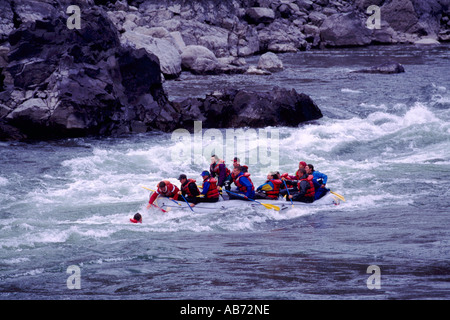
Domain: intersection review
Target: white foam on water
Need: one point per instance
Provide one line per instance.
(3, 181)
(347, 90)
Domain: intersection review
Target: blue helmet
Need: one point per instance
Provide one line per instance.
(205, 173)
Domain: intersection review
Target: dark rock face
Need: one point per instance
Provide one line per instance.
(78, 82)
(233, 108)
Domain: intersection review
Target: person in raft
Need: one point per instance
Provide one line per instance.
(137, 218)
(210, 190)
(244, 185)
(165, 189)
(271, 188)
(305, 188)
(319, 181)
(219, 170)
(189, 190)
(286, 176)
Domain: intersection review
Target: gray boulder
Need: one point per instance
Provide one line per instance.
(270, 62)
(340, 30)
(257, 15)
(167, 53)
(199, 60)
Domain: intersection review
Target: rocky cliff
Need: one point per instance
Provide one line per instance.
(106, 77)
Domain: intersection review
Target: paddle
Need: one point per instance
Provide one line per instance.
(266, 205)
(288, 193)
(187, 202)
(338, 195)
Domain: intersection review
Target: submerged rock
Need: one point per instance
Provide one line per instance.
(386, 68)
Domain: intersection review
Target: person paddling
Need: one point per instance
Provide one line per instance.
(271, 188)
(244, 184)
(210, 190)
(189, 190)
(319, 181)
(305, 188)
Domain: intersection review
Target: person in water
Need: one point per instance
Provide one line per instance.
(165, 189)
(319, 181)
(271, 188)
(219, 170)
(137, 218)
(210, 190)
(305, 186)
(244, 185)
(189, 190)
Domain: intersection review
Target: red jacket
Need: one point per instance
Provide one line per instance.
(171, 191)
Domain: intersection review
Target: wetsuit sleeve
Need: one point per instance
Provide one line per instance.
(222, 174)
(153, 197)
(205, 187)
(268, 186)
(175, 191)
(247, 184)
(319, 175)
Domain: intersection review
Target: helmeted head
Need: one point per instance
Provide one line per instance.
(205, 174)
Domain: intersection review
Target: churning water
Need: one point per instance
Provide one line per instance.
(384, 143)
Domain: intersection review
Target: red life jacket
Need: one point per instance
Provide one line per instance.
(275, 192)
(310, 192)
(213, 191)
(241, 187)
(171, 190)
(185, 188)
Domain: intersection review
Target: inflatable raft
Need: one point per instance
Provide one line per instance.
(259, 204)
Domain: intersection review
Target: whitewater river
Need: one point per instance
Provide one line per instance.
(384, 143)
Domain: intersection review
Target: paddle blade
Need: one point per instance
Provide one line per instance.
(271, 206)
(338, 195)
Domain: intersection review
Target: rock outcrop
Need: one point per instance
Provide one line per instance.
(232, 108)
(77, 82)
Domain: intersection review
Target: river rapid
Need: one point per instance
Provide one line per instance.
(384, 143)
